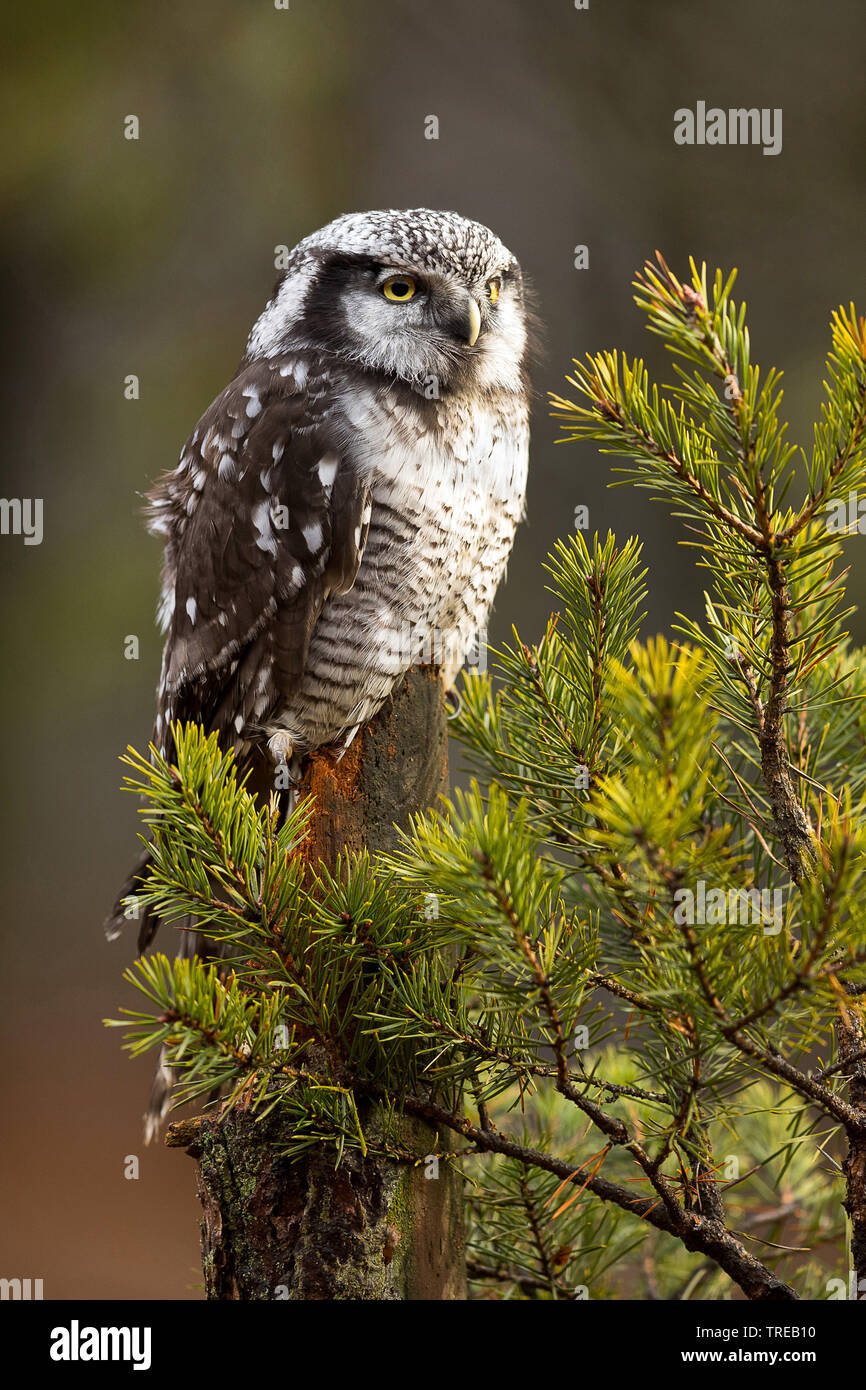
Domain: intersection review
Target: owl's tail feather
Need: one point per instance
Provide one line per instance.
(191, 943)
(120, 915)
(159, 1103)
(115, 923)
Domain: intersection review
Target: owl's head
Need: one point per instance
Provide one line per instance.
(410, 295)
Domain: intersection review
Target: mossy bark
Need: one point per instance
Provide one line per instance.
(370, 1228)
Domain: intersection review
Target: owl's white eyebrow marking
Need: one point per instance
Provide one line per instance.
(192, 609)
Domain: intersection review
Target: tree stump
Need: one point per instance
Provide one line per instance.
(274, 1228)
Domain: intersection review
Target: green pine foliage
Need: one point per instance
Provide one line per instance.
(623, 970)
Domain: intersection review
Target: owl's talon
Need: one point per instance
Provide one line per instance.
(280, 747)
(453, 699)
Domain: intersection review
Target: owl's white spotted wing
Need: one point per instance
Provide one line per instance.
(264, 517)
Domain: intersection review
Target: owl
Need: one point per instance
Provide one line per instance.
(347, 505)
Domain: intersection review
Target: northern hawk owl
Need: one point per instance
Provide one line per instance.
(348, 503)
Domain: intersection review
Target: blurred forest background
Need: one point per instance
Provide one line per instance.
(154, 257)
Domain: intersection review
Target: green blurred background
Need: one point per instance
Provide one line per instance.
(154, 257)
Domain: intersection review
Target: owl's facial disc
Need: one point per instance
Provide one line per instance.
(447, 307)
(402, 321)
(434, 323)
(449, 304)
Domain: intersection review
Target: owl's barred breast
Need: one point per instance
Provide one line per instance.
(448, 484)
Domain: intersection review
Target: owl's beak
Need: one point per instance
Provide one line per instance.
(462, 316)
(473, 324)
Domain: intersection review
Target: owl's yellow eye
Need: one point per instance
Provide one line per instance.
(399, 288)
(493, 288)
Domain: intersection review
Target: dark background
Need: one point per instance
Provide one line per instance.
(154, 257)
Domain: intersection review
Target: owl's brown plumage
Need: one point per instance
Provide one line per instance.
(265, 518)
